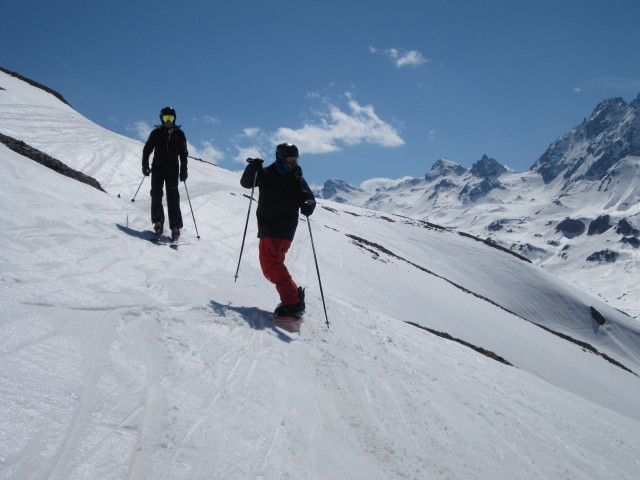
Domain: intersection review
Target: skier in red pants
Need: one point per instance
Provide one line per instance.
(283, 193)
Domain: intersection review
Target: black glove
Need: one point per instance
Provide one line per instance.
(255, 163)
(307, 207)
(183, 174)
(146, 170)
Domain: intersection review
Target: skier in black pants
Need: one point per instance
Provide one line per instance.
(168, 144)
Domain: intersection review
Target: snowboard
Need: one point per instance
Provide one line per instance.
(289, 324)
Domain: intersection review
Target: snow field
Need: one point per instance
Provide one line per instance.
(124, 359)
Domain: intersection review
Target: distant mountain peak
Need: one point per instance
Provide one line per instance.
(591, 149)
(444, 167)
(605, 115)
(488, 167)
(336, 190)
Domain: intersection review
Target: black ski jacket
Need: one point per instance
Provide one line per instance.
(281, 197)
(168, 145)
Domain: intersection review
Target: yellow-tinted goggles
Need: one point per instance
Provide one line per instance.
(168, 118)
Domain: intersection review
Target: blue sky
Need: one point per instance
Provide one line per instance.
(365, 88)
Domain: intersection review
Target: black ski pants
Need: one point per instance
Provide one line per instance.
(159, 178)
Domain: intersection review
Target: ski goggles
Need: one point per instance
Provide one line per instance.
(168, 118)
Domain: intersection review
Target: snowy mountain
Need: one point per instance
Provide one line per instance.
(446, 358)
(575, 213)
(592, 149)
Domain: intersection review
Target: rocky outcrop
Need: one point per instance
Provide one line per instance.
(49, 162)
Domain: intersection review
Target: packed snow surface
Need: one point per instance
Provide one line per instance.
(125, 359)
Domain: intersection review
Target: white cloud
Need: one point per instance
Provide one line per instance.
(322, 92)
(140, 130)
(207, 152)
(257, 138)
(247, 152)
(210, 119)
(392, 53)
(412, 58)
(402, 58)
(252, 132)
(337, 128)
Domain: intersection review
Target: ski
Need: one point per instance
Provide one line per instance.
(165, 240)
(168, 243)
(160, 240)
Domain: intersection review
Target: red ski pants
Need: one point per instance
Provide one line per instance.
(272, 253)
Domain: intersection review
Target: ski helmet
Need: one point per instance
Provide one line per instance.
(285, 150)
(167, 111)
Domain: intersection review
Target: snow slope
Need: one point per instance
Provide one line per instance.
(124, 359)
(599, 186)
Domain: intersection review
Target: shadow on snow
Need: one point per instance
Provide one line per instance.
(144, 234)
(256, 318)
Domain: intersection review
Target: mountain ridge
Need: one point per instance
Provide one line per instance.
(587, 174)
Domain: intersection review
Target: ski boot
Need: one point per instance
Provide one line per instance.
(291, 312)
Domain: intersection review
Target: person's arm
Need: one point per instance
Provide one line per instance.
(252, 173)
(146, 152)
(308, 201)
(184, 155)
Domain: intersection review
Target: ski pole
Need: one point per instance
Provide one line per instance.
(255, 178)
(315, 257)
(134, 197)
(192, 215)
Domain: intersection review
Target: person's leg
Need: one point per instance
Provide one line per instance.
(157, 211)
(173, 201)
(272, 255)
